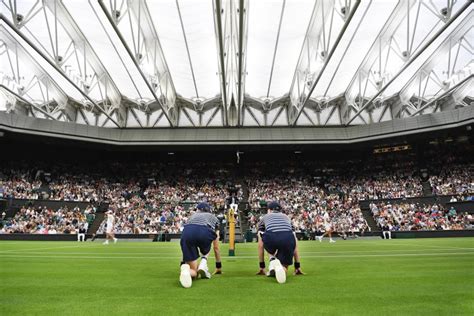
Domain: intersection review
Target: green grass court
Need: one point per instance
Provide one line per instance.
(355, 277)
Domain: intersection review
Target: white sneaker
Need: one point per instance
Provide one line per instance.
(320, 238)
(105, 242)
(185, 277)
(331, 240)
(115, 240)
(203, 270)
(280, 272)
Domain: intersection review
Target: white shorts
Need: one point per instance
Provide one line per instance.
(109, 230)
(327, 227)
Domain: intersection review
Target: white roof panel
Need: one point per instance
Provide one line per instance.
(189, 59)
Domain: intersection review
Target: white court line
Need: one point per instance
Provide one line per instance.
(26, 250)
(302, 253)
(431, 246)
(154, 246)
(248, 246)
(241, 257)
(370, 251)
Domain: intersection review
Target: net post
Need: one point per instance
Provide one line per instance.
(231, 232)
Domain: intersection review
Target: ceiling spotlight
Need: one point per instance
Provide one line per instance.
(444, 11)
(19, 18)
(170, 153)
(116, 13)
(343, 10)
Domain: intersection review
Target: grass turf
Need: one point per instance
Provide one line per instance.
(356, 277)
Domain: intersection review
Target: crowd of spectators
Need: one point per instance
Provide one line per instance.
(378, 178)
(44, 220)
(145, 219)
(416, 216)
(17, 183)
(151, 197)
(312, 220)
(158, 183)
(303, 199)
(455, 180)
(451, 170)
(137, 192)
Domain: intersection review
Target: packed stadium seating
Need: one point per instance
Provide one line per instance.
(43, 220)
(303, 198)
(411, 216)
(163, 183)
(158, 197)
(139, 219)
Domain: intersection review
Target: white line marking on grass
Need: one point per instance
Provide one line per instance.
(240, 257)
(371, 251)
(429, 246)
(242, 253)
(96, 253)
(26, 250)
(303, 253)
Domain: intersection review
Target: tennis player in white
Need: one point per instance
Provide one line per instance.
(109, 233)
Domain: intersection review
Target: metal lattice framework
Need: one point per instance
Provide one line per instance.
(25, 78)
(230, 63)
(231, 27)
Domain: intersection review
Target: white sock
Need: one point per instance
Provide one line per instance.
(203, 263)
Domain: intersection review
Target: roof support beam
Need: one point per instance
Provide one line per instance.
(242, 55)
(55, 64)
(466, 85)
(31, 82)
(276, 47)
(101, 83)
(315, 54)
(440, 71)
(191, 68)
(23, 100)
(220, 18)
(159, 82)
(373, 71)
(230, 21)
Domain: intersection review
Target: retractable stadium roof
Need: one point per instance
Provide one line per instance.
(227, 63)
